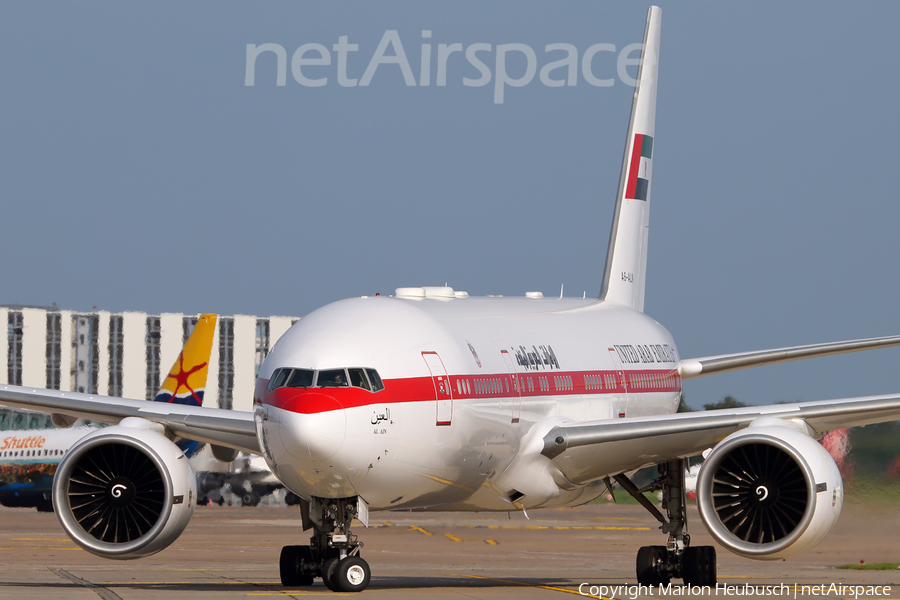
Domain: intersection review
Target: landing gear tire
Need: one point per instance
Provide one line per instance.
(291, 565)
(650, 563)
(250, 499)
(329, 568)
(698, 566)
(352, 575)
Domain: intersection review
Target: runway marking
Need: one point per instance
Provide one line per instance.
(534, 585)
(205, 570)
(100, 591)
(560, 527)
(41, 540)
(126, 584)
(520, 527)
(293, 593)
(453, 538)
(37, 548)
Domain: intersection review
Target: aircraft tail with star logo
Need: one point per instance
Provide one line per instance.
(186, 381)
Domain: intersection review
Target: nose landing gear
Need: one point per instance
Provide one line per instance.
(333, 553)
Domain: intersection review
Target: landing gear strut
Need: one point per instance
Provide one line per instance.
(333, 553)
(656, 565)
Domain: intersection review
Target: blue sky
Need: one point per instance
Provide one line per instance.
(139, 172)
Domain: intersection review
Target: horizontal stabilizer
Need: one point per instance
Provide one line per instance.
(698, 367)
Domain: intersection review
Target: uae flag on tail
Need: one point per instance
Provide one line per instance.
(639, 170)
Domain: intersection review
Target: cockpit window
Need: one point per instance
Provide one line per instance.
(375, 379)
(278, 378)
(300, 378)
(332, 378)
(367, 379)
(358, 379)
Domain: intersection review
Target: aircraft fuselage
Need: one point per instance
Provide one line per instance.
(471, 385)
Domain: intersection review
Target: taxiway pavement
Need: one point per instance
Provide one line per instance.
(231, 552)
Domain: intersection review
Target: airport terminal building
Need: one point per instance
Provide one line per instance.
(128, 354)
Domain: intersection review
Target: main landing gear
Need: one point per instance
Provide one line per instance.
(656, 565)
(333, 553)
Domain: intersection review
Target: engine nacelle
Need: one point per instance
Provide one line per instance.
(124, 492)
(769, 491)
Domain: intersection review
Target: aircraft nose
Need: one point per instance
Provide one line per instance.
(314, 435)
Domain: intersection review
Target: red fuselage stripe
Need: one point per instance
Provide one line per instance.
(463, 387)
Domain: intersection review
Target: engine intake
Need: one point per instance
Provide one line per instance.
(124, 492)
(762, 491)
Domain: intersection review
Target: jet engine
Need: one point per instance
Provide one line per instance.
(124, 492)
(769, 491)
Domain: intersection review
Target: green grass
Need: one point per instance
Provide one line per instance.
(872, 567)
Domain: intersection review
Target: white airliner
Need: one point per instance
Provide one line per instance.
(28, 460)
(433, 400)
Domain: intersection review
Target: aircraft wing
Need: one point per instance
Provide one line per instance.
(698, 367)
(229, 428)
(590, 450)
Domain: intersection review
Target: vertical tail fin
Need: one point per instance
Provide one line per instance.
(187, 379)
(626, 260)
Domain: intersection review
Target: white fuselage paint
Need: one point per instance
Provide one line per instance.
(391, 451)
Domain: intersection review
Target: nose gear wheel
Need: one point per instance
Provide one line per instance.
(333, 553)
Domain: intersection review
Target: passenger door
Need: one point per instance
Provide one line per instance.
(443, 395)
(621, 402)
(515, 384)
